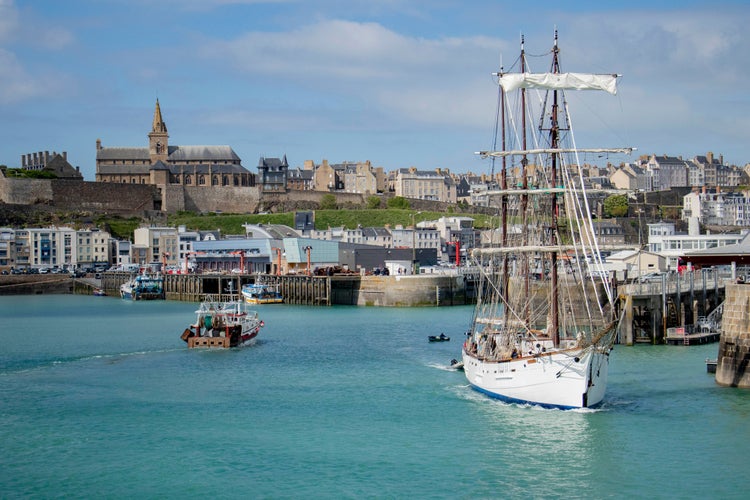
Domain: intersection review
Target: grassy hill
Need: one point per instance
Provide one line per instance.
(350, 219)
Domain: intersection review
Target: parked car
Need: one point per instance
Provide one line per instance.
(651, 277)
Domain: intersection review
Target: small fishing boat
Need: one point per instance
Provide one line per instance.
(98, 292)
(144, 286)
(438, 338)
(222, 325)
(259, 293)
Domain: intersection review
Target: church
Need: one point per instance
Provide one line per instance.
(162, 164)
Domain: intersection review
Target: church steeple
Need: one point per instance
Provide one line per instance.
(159, 125)
(158, 138)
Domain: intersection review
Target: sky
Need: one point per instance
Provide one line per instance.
(400, 83)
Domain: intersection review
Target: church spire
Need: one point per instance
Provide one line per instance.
(158, 138)
(159, 125)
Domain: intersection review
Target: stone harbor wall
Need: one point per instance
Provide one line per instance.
(734, 344)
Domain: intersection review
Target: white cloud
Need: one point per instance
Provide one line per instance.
(8, 19)
(15, 83)
(416, 79)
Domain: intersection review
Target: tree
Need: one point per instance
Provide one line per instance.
(373, 202)
(398, 202)
(328, 202)
(616, 206)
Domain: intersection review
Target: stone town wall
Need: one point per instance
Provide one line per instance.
(112, 198)
(230, 199)
(25, 191)
(125, 199)
(733, 363)
(306, 200)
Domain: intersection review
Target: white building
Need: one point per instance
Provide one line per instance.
(155, 244)
(664, 240)
(717, 208)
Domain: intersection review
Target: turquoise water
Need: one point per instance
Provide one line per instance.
(100, 398)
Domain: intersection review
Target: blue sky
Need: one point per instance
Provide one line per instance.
(398, 82)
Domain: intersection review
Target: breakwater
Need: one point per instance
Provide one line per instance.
(733, 363)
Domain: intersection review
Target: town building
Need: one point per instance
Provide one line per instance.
(234, 255)
(162, 164)
(664, 240)
(669, 172)
(273, 174)
(54, 248)
(155, 244)
(435, 185)
(53, 162)
(715, 207)
(631, 264)
(299, 179)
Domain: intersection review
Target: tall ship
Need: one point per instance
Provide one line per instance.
(545, 320)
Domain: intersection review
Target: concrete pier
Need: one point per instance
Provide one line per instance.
(652, 310)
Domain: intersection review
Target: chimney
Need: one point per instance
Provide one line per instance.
(65, 155)
(709, 157)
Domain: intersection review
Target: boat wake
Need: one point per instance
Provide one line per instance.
(111, 358)
(445, 368)
(465, 392)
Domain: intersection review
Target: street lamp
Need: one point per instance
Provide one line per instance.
(639, 211)
(414, 243)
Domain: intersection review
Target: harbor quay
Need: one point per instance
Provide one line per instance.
(348, 289)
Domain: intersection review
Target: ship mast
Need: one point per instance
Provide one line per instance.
(554, 140)
(504, 204)
(524, 197)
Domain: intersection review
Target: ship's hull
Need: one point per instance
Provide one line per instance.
(268, 300)
(566, 379)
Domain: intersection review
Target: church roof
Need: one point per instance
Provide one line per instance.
(206, 154)
(203, 168)
(202, 153)
(140, 154)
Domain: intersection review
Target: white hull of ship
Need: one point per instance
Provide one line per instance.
(554, 380)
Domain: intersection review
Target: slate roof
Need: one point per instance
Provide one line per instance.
(207, 154)
(123, 154)
(174, 169)
(374, 232)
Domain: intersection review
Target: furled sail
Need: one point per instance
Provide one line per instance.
(559, 81)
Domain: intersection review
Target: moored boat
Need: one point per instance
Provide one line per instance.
(544, 324)
(258, 293)
(222, 325)
(144, 286)
(438, 338)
